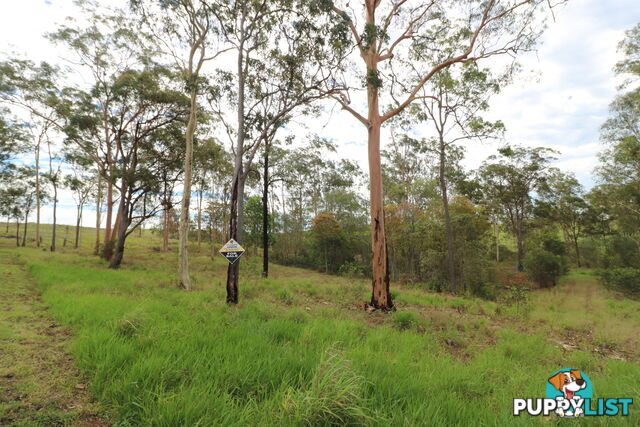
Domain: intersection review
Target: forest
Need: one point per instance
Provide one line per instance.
(181, 124)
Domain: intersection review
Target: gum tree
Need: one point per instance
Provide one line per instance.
(33, 88)
(81, 183)
(12, 141)
(285, 55)
(148, 120)
(452, 103)
(619, 170)
(184, 31)
(102, 46)
(384, 34)
(510, 179)
(562, 201)
(54, 177)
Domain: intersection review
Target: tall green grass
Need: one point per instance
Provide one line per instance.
(156, 355)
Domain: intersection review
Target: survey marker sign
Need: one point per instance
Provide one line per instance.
(232, 251)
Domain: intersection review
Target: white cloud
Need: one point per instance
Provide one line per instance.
(565, 107)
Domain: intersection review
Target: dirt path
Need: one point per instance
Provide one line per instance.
(39, 383)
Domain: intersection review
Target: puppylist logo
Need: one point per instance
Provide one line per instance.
(569, 394)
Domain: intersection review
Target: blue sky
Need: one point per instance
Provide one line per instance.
(559, 101)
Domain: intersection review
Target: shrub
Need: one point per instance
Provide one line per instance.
(436, 285)
(621, 251)
(550, 242)
(479, 278)
(626, 280)
(517, 297)
(352, 269)
(592, 252)
(543, 267)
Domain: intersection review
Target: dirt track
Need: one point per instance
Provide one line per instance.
(39, 382)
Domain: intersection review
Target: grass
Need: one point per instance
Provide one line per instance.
(39, 384)
(298, 349)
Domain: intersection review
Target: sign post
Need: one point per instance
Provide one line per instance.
(232, 251)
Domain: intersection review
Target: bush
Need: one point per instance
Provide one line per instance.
(506, 253)
(484, 289)
(517, 297)
(626, 280)
(352, 269)
(436, 285)
(479, 278)
(592, 252)
(615, 251)
(543, 267)
(621, 251)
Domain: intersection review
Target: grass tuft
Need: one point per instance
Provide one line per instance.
(404, 319)
(334, 396)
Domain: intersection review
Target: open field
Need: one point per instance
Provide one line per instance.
(299, 350)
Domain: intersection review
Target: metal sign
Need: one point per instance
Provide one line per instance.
(232, 251)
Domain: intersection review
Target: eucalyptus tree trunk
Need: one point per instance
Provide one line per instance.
(235, 231)
(233, 270)
(183, 252)
(265, 213)
(212, 230)
(497, 235)
(577, 249)
(380, 295)
(447, 217)
(165, 229)
(107, 226)
(237, 186)
(118, 250)
(38, 195)
(109, 173)
(116, 224)
(199, 216)
(55, 209)
(96, 248)
(121, 232)
(78, 221)
(24, 233)
(17, 231)
(110, 241)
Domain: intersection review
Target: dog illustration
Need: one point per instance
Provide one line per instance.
(568, 383)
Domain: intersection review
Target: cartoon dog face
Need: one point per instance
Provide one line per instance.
(568, 382)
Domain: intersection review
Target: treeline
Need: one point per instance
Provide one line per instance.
(178, 115)
(616, 200)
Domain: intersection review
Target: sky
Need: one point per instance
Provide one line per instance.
(559, 101)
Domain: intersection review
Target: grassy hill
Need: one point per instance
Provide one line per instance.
(299, 349)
